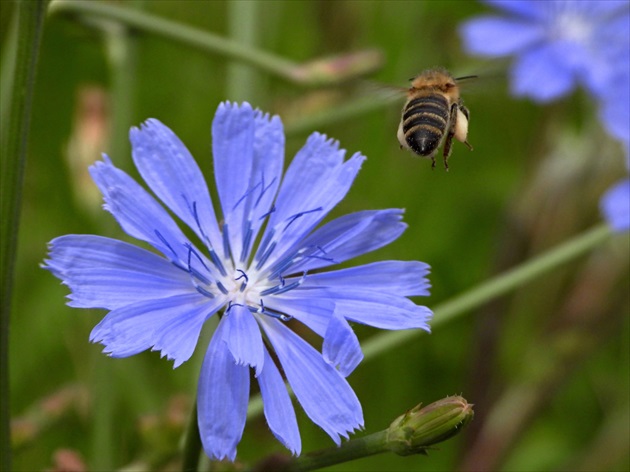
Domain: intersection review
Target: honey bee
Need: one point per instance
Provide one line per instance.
(433, 115)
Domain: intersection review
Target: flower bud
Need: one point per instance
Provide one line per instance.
(420, 428)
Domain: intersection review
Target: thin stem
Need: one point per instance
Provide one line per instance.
(30, 24)
(484, 292)
(242, 80)
(179, 32)
(192, 443)
(495, 287)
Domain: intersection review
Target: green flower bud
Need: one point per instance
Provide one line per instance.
(420, 428)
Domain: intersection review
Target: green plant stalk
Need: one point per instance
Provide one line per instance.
(358, 448)
(30, 24)
(482, 293)
(179, 32)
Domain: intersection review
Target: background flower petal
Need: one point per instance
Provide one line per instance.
(277, 406)
(169, 169)
(541, 74)
(495, 37)
(325, 395)
(525, 8)
(222, 396)
(615, 205)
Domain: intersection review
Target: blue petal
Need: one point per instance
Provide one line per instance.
(248, 150)
(542, 75)
(242, 336)
(325, 395)
(349, 236)
(107, 273)
(301, 305)
(405, 278)
(341, 346)
(378, 309)
(496, 37)
(170, 325)
(170, 170)
(277, 406)
(138, 213)
(233, 156)
(615, 205)
(526, 8)
(315, 182)
(222, 397)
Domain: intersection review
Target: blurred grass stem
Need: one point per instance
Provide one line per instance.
(30, 24)
(477, 296)
(179, 32)
(192, 443)
(325, 71)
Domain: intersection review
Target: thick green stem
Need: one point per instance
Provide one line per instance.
(30, 24)
(348, 451)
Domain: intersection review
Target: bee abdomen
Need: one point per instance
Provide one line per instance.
(424, 123)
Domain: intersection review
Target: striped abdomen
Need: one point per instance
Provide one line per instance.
(424, 123)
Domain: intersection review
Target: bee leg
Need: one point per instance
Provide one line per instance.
(448, 142)
(466, 113)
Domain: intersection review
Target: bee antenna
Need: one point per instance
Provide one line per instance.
(466, 77)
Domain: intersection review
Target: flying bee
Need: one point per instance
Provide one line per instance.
(433, 115)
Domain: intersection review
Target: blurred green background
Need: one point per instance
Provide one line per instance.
(547, 367)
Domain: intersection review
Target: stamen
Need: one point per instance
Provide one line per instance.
(246, 241)
(297, 215)
(217, 262)
(273, 314)
(264, 189)
(194, 272)
(221, 287)
(265, 256)
(245, 195)
(230, 305)
(280, 289)
(273, 209)
(226, 241)
(166, 243)
(242, 276)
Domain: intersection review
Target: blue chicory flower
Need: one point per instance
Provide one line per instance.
(259, 268)
(557, 44)
(615, 205)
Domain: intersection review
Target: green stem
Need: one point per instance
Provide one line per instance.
(348, 451)
(483, 293)
(242, 81)
(495, 287)
(179, 32)
(30, 24)
(192, 443)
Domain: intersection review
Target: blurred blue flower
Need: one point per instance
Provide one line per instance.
(257, 266)
(615, 205)
(557, 44)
